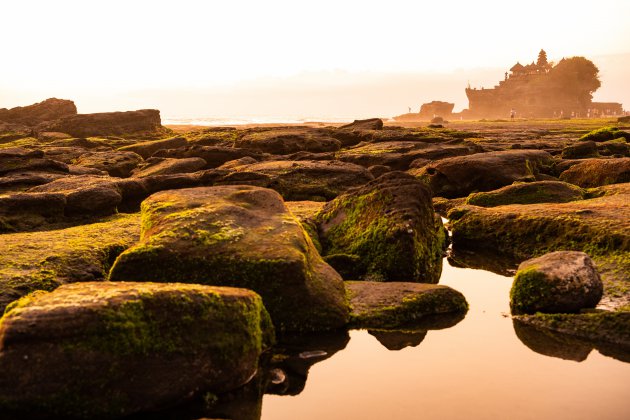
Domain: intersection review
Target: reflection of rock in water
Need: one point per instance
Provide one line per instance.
(244, 403)
(294, 357)
(484, 260)
(552, 344)
(398, 340)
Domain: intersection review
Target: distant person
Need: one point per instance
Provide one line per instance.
(512, 114)
(409, 109)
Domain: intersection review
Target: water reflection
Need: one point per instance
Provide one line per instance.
(294, 357)
(484, 367)
(481, 260)
(398, 340)
(562, 346)
(551, 344)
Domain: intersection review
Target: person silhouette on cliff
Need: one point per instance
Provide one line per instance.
(512, 114)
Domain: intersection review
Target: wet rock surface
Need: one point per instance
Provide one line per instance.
(239, 236)
(31, 261)
(459, 176)
(558, 282)
(385, 230)
(161, 344)
(397, 304)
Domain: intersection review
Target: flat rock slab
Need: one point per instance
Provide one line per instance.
(106, 350)
(239, 236)
(44, 260)
(401, 304)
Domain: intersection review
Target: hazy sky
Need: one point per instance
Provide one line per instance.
(144, 52)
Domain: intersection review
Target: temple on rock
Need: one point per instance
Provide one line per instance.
(542, 90)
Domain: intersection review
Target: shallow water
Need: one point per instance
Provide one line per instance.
(478, 369)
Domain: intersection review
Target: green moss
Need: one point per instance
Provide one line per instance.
(527, 193)
(387, 247)
(530, 291)
(44, 260)
(411, 310)
(604, 134)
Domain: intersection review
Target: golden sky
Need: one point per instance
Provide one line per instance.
(92, 50)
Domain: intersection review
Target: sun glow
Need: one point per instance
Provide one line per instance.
(98, 49)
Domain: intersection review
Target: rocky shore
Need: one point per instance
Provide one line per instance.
(204, 256)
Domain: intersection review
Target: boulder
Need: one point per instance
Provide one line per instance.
(238, 236)
(302, 180)
(618, 148)
(385, 230)
(528, 193)
(24, 211)
(144, 121)
(10, 132)
(369, 124)
(148, 148)
(167, 166)
(32, 115)
(598, 225)
(399, 155)
(598, 172)
(580, 150)
(85, 195)
(460, 176)
(287, 140)
(30, 164)
(401, 304)
(23, 180)
(65, 154)
(558, 282)
(106, 350)
(44, 260)
(115, 163)
(605, 134)
(214, 156)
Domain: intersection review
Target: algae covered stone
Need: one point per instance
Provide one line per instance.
(105, 350)
(386, 230)
(237, 236)
(401, 304)
(44, 260)
(558, 282)
(528, 193)
(462, 175)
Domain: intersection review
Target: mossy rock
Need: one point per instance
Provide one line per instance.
(598, 172)
(240, 236)
(598, 226)
(398, 304)
(287, 140)
(604, 134)
(148, 148)
(44, 260)
(528, 193)
(399, 155)
(462, 175)
(115, 163)
(558, 282)
(389, 227)
(300, 180)
(104, 350)
(580, 150)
